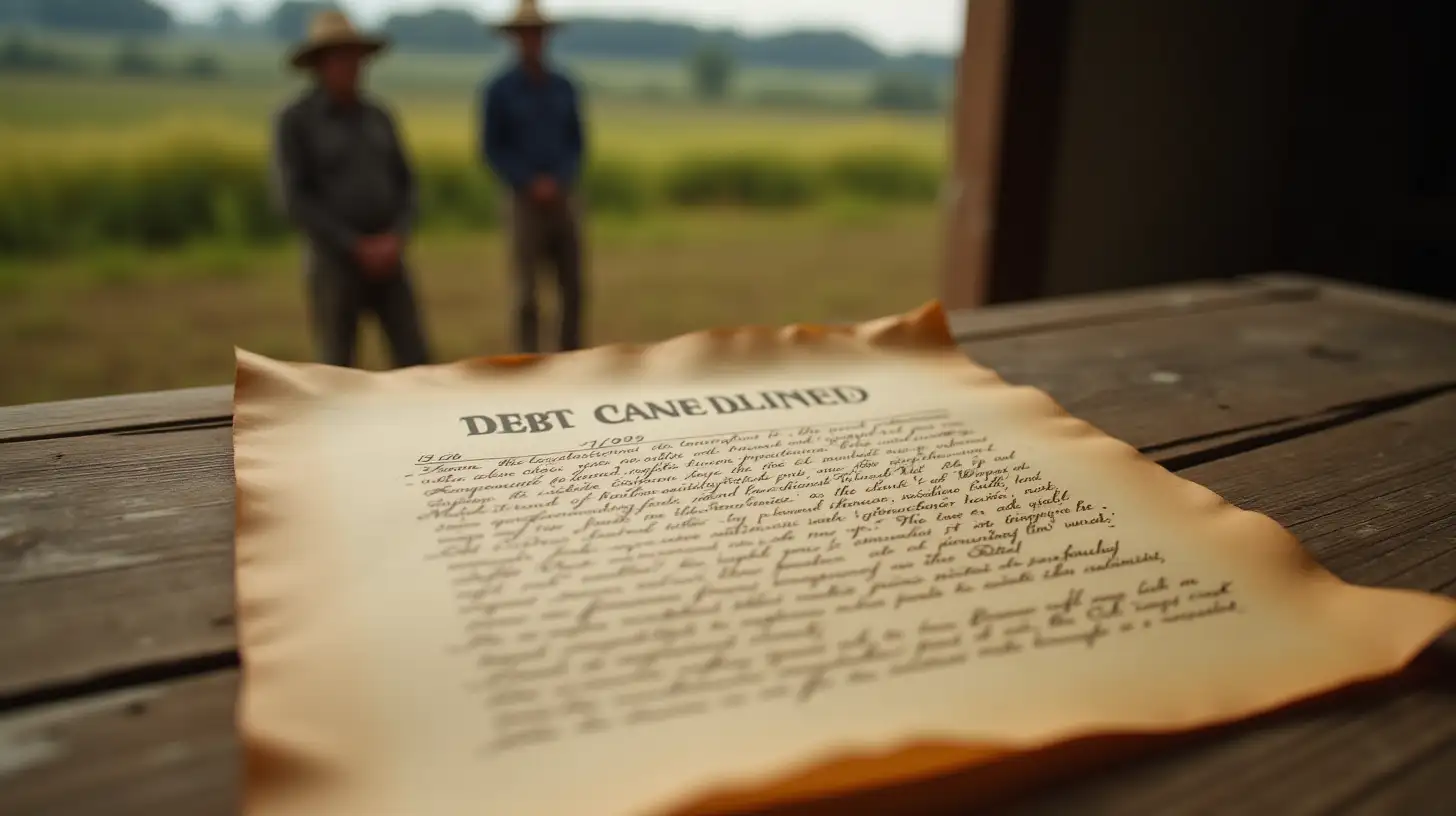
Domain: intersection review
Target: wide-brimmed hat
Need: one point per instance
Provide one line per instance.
(528, 15)
(332, 29)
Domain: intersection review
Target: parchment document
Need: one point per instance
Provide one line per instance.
(736, 569)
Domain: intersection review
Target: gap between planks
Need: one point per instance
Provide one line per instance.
(1103, 308)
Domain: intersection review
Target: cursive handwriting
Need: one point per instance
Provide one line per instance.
(632, 581)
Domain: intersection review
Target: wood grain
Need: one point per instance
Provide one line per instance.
(116, 549)
(1030, 317)
(977, 122)
(1374, 499)
(1165, 379)
(1309, 761)
(157, 409)
(1414, 305)
(1419, 787)
(126, 562)
(168, 748)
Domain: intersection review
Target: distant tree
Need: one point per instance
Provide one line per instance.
(824, 50)
(19, 55)
(711, 68)
(290, 18)
(909, 93)
(228, 20)
(202, 66)
(103, 16)
(941, 67)
(15, 54)
(639, 40)
(445, 30)
(643, 39)
(134, 60)
(630, 39)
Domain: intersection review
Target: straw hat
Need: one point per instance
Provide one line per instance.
(527, 15)
(332, 29)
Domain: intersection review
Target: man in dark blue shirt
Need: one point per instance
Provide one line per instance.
(531, 136)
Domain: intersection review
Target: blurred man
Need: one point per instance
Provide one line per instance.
(346, 183)
(531, 136)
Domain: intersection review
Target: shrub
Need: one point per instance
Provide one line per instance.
(202, 66)
(20, 55)
(133, 60)
(188, 187)
(458, 193)
(618, 187)
(905, 92)
(743, 180)
(711, 71)
(163, 198)
(886, 176)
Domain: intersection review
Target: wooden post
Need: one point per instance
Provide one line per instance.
(1006, 132)
(975, 132)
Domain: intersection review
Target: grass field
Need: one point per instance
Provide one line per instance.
(73, 118)
(91, 315)
(162, 162)
(162, 321)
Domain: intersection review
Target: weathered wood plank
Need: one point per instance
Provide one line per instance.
(1030, 317)
(1306, 762)
(115, 550)
(152, 410)
(1375, 500)
(1164, 379)
(190, 405)
(1406, 303)
(84, 758)
(1424, 787)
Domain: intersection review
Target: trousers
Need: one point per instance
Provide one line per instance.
(549, 235)
(340, 293)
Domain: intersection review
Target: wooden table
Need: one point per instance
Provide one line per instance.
(1329, 408)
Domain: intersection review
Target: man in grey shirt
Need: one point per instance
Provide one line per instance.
(345, 181)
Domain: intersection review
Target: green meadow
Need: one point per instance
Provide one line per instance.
(139, 241)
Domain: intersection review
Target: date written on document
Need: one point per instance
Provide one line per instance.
(613, 441)
(428, 458)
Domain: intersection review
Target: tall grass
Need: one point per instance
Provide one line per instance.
(182, 187)
(115, 163)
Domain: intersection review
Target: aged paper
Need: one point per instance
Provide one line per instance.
(735, 569)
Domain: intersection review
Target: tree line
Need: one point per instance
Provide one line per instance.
(455, 30)
(91, 16)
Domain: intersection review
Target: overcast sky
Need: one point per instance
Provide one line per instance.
(896, 25)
